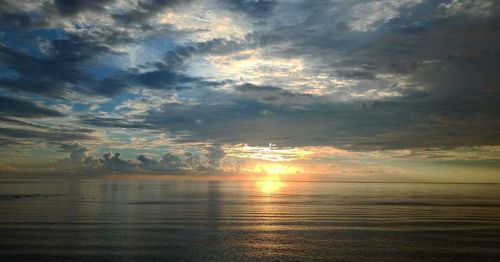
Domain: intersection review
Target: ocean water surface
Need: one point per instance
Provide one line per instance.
(172, 220)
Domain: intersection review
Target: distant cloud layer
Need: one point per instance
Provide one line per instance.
(80, 159)
(170, 84)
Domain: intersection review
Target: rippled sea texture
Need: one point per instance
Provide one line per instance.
(143, 220)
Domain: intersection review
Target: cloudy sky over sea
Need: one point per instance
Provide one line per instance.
(328, 89)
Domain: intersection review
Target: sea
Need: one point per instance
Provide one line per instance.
(79, 219)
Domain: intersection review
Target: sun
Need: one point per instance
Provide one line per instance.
(270, 176)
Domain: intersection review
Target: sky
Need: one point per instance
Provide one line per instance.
(385, 90)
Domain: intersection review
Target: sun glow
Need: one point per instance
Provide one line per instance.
(276, 169)
(270, 176)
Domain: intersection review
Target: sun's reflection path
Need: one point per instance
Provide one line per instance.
(270, 218)
(269, 186)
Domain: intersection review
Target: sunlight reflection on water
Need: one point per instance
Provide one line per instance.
(264, 220)
(270, 186)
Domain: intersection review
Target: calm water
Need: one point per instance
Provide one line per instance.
(97, 220)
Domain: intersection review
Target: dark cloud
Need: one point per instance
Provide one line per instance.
(164, 74)
(54, 62)
(356, 75)
(259, 114)
(248, 87)
(414, 120)
(170, 162)
(60, 72)
(164, 79)
(81, 160)
(8, 142)
(208, 161)
(112, 122)
(10, 106)
(161, 77)
(215, 155)
(14, 15)
(114, 163)
(54, 134)
(146, 10)
(254, 8)
(20, 20)
(77, 152)
(218, 46)
(78, 160)
(112, 85)
(273, 95)
(148, 163)
(72, 7)
(54, 74)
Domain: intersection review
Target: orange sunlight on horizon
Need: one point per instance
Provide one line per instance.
(270, 180)
(276, 169)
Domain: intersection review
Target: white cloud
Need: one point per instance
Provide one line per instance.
(370, 16)
(481, 8)
(205, 21)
